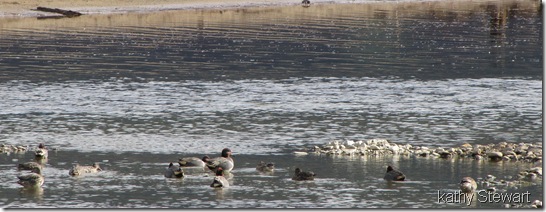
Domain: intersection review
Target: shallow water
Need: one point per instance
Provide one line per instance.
(135, 180)
(137, 91)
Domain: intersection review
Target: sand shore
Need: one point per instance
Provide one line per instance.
(18, 14)
(25, 8)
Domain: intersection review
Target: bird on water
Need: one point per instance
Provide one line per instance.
(394, 175)
(468, 185)
(300, 175)
(225, 161)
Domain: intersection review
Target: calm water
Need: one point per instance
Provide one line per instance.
(135, 92)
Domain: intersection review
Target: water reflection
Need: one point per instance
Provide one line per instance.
(359, 40)
(33, 194)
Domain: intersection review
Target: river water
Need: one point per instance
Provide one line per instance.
(137, 91)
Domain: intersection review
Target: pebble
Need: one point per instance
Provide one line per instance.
(300, 153)
(537, 204)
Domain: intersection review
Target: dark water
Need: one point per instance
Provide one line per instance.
(135, 92)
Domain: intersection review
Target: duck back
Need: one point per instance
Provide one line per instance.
(81, 170)
(28, 166)
(32, 180)
(394, 175)
(301, 175)
(191, 162)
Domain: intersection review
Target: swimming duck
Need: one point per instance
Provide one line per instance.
(306, 3)
(265, 167)
(301, 175)
(28, 166)
(219, 180)
(80, 170)
(32, 180)
(174, 171)
(468, 185)
(193, 161)
(41, 152)
(394, 175)
(225, 161)
(40, 160)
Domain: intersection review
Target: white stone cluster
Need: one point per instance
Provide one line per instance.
(528, 152)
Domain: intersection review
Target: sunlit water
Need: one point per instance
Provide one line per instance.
(136, 95)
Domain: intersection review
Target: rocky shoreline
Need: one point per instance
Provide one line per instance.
(503, 151)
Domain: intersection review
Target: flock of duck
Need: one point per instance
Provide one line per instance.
(34, 179)
(221, 166)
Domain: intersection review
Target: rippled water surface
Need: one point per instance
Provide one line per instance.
(137, 91)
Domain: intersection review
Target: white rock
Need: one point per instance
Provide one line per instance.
(494, 155)
(300, 153)
(373, 147)
(394, 148)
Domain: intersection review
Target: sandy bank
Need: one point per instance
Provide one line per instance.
(215, 15)
(25, 8)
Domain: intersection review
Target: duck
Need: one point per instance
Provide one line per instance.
(394, 175)
(33, 179)
(265, 167)
(219, 180)
(193, 161)
(41, 152)
(40, 160)
(306, 3)
(225, 161)
(468, 185)
(174, 171)
(28, 165)
(80, 170)
(300, 175)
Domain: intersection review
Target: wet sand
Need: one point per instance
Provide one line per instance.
(26, 8)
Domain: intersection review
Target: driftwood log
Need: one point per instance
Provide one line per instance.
(66, 13)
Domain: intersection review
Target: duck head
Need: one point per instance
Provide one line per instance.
(205, 158)
(177, 171)
(41, 146)
(468, 185)
(226, 152)
(96, 166)
(389, 168)
(219, 171)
